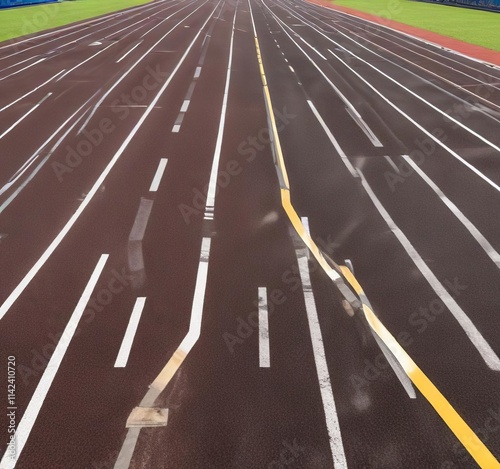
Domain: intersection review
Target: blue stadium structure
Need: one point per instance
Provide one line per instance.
(490, 5)
(18, 3)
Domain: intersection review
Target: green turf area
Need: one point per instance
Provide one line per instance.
(473, 26)
(15, 22)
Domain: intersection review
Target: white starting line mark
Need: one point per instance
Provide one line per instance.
(128, 339)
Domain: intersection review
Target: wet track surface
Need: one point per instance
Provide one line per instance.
(148, 260)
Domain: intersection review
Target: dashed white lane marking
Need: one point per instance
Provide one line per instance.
(291, 68)
(197, 72)
(33, 109)
(330, 409)
(30, 415)
(484, 349)
(476, 234)
(176, 128)
(264, 350)
(128, 339)
(129, 52)
(185, 105)
(336, 145)
(155, 184)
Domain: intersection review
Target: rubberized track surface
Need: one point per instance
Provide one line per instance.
(147, 260)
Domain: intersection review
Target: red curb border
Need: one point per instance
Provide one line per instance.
(477, 52)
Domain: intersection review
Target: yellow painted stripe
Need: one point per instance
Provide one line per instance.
(476, 448)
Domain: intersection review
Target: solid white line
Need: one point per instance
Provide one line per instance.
(159, 174)
(420, 98)
(476, 234)
(421, 128)
(10, 300)
(330, 409)
(264, 352)
(391, 163)
(341, 153)
(33, 158)
(185, 105)
(31, 92)
(212, 186)
(484, 349)
(23, 69)
(30, 415)
(128, 339)
(176, 128)
(84, 62)
(15, 124)
(129, 52)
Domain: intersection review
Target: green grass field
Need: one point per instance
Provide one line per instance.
(20, 21)
(473, 26)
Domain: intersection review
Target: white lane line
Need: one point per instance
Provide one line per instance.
(155, 184)
(34, 157)
(336, 145)
(476, 234)
(264, 352)
(84, 62)
(415, 95)
(291, 68)
(484, 349)
(391, 163)
(212, 185)
(11, 299)
(125, 74)
(197, 72)
(356, 117)
(23, 69)
(330, 409)
(128, 339)
(421, 128)
(31, 92)
(129, 52)
(176, 128)
(185, 105)
(30, 415)
(15, 124)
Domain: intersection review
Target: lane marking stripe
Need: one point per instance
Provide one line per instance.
(486, 352)
(471, 228)
(264, 352)
(155, 184)
(331, 417)
(30, 415)
(128, 339)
